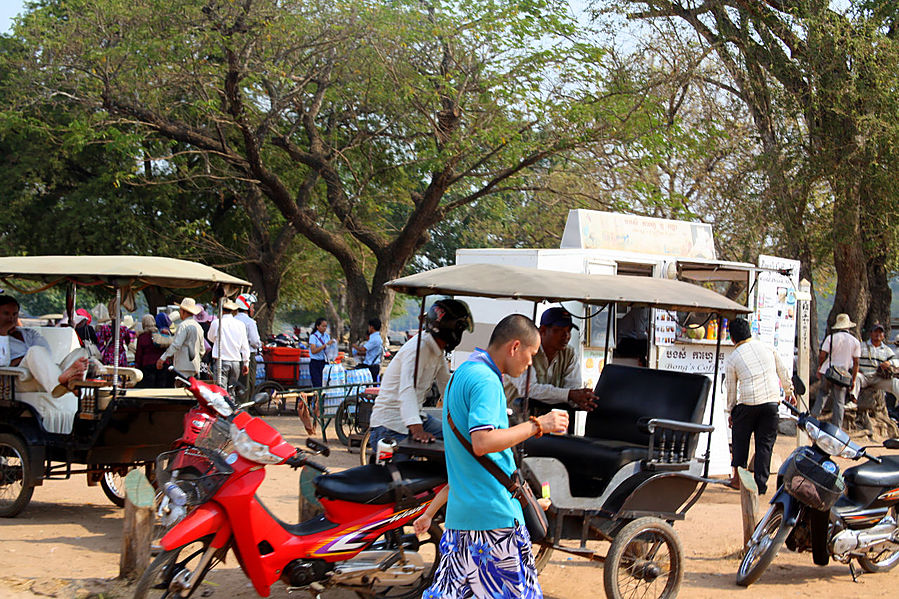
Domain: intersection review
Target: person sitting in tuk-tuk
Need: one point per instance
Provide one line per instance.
(28, 349)
(555, 381)
(397, 412)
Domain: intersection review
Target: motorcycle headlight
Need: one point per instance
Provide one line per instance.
(250, 449)
(831, 445)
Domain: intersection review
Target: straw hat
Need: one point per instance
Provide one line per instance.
(128, 321)
(842, 322)
(229, 305)
(174, 315)
(189, 304)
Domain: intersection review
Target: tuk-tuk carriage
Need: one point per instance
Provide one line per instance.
(639, 465)
(116, 427)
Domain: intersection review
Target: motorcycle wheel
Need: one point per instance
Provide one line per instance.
(645, 560)
(429, 548)
(884, 561)
(345, 420)
(161, 579)
(272, 407)
(15, 492)
(771, 533)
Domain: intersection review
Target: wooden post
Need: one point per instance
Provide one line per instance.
(139, 520)
(749, 503)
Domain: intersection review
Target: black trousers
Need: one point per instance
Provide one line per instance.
(759, 421)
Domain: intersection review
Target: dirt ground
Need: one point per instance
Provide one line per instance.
(66, 544)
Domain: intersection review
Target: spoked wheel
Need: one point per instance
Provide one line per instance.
(428, 556)
(15, 490)
(884, 560)
(273, 406)
(167, 575)
(113, 485)
(364, 448)
(542, 555)
(645, 560)
(766, 541)
(345, 420)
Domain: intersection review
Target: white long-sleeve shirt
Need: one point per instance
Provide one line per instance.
(751, 374)
(232, 343)
(399, 402)
(252, 331)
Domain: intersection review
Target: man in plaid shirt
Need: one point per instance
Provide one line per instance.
(751, 375)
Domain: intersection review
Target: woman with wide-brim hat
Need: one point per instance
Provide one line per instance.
(840, 351)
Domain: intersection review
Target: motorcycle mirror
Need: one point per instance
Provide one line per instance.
(317, 447)
(891, 443)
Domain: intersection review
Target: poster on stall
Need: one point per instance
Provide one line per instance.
(774, 321)
(665, 327)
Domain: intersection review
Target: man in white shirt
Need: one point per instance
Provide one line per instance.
(246, 304)
(751, 374)
(843, 350)
(28, 349)
(187, 346)
(555, 375)
(876, 364)
(229, 340)
(397, 410)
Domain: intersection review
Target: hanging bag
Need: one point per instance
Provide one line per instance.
(837, 375)
(517, 485)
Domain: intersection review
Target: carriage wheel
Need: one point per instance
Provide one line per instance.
(645, 560)
(542, 555)
(345, 423)
(364, 456)
(15, 490)
(273, 406)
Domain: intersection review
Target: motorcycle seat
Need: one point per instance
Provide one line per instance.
(373, 483)
(874, 475)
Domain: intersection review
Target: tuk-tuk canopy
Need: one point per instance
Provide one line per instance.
(125, 271)
(515, 282)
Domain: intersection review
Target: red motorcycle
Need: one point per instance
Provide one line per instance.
(362, 541)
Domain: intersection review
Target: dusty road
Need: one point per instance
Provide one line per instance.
(66, 544)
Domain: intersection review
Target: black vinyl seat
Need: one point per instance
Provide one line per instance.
(885, 474)
(616, 432)
(373, 483)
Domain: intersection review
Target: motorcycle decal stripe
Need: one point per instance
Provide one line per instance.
(355, 538)
(890, 495)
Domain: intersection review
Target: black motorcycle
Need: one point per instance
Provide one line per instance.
(817, 509)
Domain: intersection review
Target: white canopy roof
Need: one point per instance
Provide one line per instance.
(515, 282)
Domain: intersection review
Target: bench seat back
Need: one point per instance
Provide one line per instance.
(629, 396)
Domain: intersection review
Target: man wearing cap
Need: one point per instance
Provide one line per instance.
(843, 350)
(187, 346)
(555, 368)
(875, 365)
(229, 340)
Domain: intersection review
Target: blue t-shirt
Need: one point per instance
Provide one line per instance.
(317, 338)
(476, 401)
(374, 349)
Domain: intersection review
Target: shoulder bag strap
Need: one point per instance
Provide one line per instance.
(486, 462)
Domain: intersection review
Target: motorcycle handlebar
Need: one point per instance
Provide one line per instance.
(299, 460)
(791, 407)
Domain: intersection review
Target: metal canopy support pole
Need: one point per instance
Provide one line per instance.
(218, 359)
(708, 448)
(527, 379)
(605, 351)
(421, 318)
(117, 336)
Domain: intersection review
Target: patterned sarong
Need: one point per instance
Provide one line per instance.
(485, 564)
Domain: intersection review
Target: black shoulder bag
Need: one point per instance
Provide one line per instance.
(837, 375)
(534, 518)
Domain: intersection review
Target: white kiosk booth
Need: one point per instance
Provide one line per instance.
(610, 243)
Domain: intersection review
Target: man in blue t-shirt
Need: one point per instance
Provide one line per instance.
(486, 547)
(372, 350)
